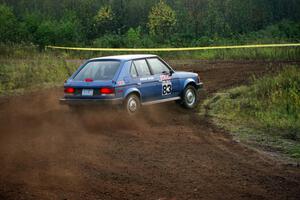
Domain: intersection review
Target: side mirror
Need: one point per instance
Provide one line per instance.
(170, 73)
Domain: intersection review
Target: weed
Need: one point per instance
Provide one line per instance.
(265, 113)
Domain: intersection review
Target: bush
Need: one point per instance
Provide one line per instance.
(133, 38)
(8, 24)
(31, 23)
(109, 41)
(68, 30)
(46, 33)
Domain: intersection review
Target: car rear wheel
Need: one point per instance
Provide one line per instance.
(190, 97)
(132, 104)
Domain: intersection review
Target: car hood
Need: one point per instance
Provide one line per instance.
(183, 74)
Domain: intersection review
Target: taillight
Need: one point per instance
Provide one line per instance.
(69, 90)
(107, 91)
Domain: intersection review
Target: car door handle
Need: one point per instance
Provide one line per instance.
(139, 84)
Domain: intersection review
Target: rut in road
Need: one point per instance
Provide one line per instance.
(48, 152)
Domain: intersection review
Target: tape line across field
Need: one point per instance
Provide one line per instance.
(176, 49)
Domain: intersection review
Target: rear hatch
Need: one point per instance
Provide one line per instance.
(93, 80)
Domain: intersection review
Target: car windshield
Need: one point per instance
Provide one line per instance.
(98, 71)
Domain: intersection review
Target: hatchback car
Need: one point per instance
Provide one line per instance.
(132, 81)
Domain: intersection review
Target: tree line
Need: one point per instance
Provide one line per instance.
(147, 23)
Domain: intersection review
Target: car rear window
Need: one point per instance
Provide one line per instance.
(98, 70)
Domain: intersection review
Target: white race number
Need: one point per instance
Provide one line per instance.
(166, 88)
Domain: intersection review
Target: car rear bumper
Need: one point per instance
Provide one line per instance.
(65, 101)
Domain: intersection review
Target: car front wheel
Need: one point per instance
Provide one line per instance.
(132, 104)
(190, 97)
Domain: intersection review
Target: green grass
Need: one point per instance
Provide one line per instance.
(248, 54)
(290, 53)
(265, 113)
(26, 68)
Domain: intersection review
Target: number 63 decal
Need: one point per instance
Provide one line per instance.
(166, 88)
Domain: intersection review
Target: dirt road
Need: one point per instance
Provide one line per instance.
(166, 153)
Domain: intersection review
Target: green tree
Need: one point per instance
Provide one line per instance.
(133, 37)
(8, 24)
(104, 20)
(162, 20)
(196, 15)
(69, 30)
(32, 22)
(108, 41)
(46, 33)
(181, 22)
(215, 21)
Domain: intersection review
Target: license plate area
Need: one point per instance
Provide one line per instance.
(87, 92)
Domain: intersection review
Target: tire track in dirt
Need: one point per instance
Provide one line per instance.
(48, 152)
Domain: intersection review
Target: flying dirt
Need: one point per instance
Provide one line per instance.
(166, 152)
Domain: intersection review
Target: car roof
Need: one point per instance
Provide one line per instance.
(125, 57)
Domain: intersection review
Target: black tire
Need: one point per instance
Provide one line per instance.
(132, 104)
(190, 97)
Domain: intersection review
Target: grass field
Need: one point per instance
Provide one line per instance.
(23, 67)
(287, 53)
(27, 68)
(265, 113)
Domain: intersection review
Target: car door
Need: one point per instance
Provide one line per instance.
(167, 85)
(146, 81)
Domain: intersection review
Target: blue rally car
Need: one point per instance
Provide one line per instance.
(132, 81)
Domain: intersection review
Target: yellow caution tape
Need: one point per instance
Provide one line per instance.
(176, 49)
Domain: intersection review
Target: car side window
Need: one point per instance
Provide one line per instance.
(133, 71)
(142, 67)
(157, 66)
